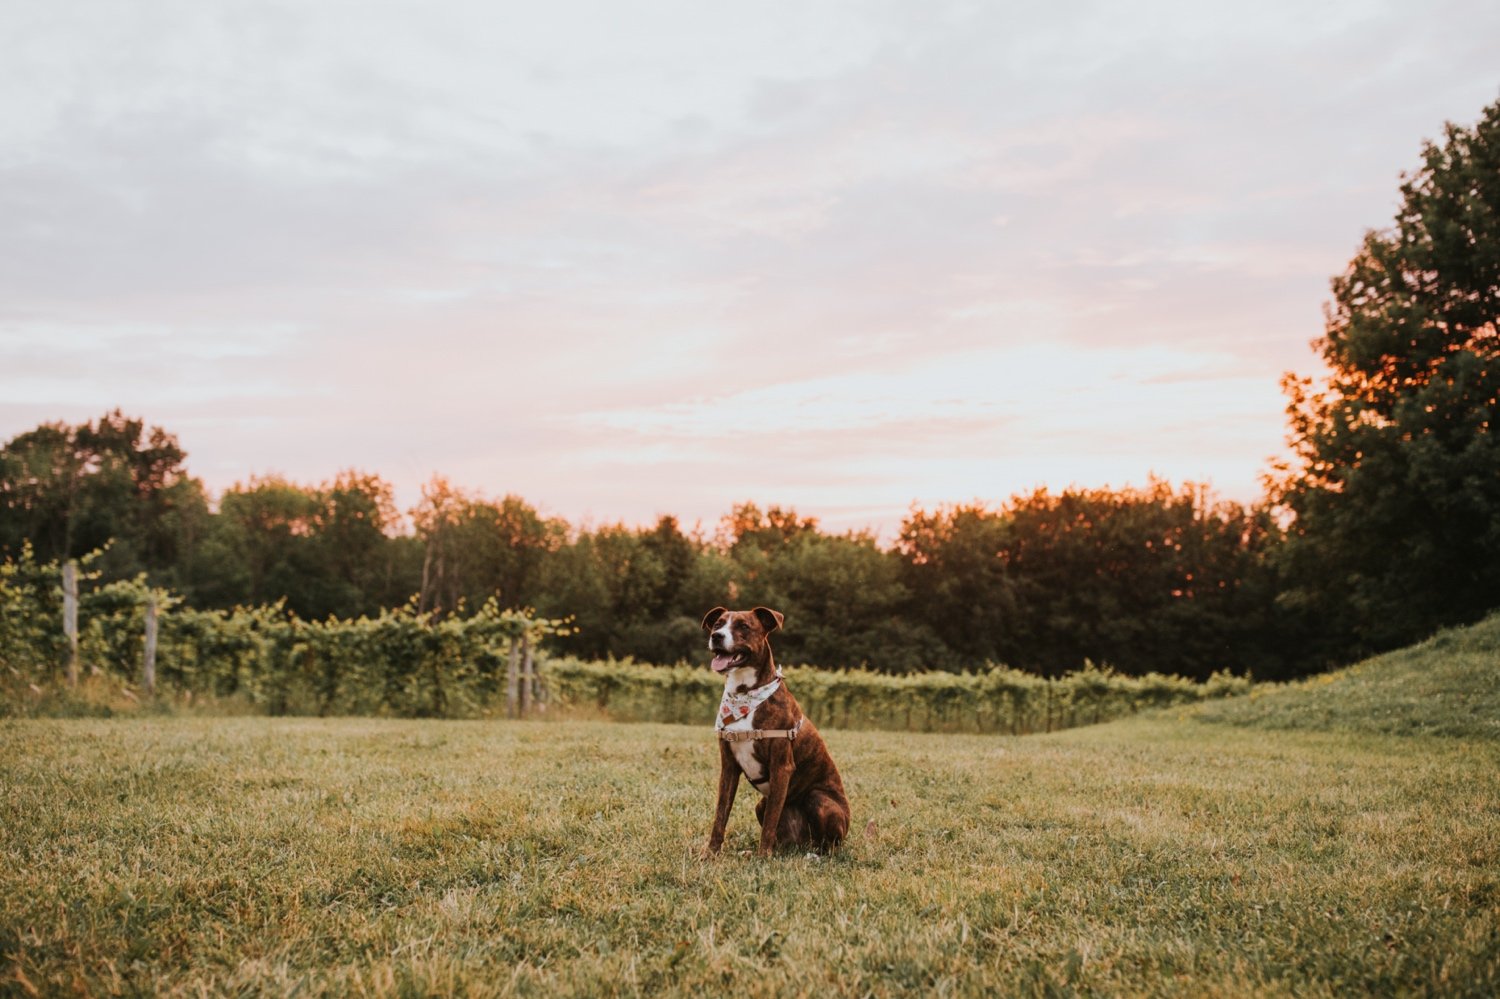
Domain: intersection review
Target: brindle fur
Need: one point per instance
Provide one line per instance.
(804, 804)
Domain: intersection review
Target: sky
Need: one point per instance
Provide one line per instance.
(632, 259)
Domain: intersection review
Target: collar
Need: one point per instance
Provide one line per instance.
(735, 707)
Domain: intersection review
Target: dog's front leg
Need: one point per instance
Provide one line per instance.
(729, 783)
(781, 779)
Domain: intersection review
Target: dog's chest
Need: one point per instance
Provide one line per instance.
(744, 754)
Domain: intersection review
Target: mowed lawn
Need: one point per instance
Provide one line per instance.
(1160, 855)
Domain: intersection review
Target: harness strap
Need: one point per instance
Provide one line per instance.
(756, 734)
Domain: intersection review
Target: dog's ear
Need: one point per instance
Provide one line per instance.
(769, 619)
(712, 618)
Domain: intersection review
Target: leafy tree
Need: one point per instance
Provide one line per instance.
(112, 482)
(675, 553)
(40, 476)
(439, 520)
(1394, 491)
(958, 579)
(752, 535)
(845, 602)
(843, 595)
(631, 592)
(1141, 579)
(574, 584)
(514, 541)
(327, 550)
(475, 549)
(358, 557)
(262, 548)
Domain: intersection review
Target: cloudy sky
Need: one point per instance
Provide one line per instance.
(635, 258)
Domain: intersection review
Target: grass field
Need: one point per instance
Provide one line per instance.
(1169, 854)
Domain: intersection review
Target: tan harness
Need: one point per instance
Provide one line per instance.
(756, 734)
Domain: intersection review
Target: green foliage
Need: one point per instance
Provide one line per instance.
(997, 700)
(847, 603)
(1396, 484)
(1148, 579)
(402, 662)
(958, 579)
(31, 615)
(637, 592)
(409, 662)
(475, 549)
(111, 484)
(323, 550)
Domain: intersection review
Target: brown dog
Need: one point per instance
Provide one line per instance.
(764, 735)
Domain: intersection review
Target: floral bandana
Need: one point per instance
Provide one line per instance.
(735, 707)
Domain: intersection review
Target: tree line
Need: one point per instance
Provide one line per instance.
(1154, 579)
(1383, 526)
(407, 662)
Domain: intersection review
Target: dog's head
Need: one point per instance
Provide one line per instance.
(741, 638)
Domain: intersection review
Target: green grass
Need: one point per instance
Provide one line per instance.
(1160, 855)
(1448, 685)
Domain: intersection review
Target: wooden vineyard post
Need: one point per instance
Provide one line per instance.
(70, 617)
(511, 679)
(148, 658)
(526, 674)
(537, 704)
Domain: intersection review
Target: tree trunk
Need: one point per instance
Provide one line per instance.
(426, 591)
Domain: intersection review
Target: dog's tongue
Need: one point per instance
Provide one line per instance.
(722, 663)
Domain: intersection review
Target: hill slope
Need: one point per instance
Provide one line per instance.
(1448, 685)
